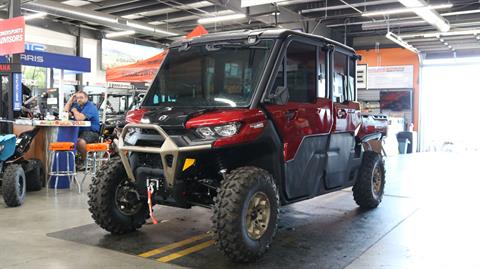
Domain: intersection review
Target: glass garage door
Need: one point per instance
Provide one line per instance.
(450, 105)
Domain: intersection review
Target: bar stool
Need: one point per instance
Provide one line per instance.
(96, 154)
(56, 149)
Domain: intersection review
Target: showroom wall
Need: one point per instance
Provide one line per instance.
(47, 37)
(92, 49)
(396, 57)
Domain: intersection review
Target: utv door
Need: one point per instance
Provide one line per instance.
(305, 120)
(346, 120)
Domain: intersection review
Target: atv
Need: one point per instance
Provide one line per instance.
(17, 174)
(242, 122)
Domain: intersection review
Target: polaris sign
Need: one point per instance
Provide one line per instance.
(52, 60)
(31, 58)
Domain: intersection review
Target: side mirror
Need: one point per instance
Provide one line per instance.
(280, 96)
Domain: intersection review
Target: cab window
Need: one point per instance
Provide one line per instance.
(322, 74)
(301, 72)
(343, 78)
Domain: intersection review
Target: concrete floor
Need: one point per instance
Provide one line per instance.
(428, 219)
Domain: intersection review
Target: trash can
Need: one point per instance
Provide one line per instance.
(405, 142)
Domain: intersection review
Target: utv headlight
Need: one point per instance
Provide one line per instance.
(227, 130)
(220, 131)
(206, 132)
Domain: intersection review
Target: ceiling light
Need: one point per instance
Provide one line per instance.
(35, 16)
(117, 34)
(393, 37)
(478, 37)
(411, 3)
(404, 10)
(221, 18)
(86, 15)
(461, 12)
(446, 44)
(140, 26)
(441, 40)
(460, 32)
(164, 32)
(156, 22)
(449, 46)
(75, 3)
(430, 16)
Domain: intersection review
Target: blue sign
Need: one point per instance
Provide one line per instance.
(17, 92)
(34, 46)
(52, 60)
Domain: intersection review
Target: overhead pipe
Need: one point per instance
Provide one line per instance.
(82, 14)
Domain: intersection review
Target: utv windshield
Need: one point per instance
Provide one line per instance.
(222, 74)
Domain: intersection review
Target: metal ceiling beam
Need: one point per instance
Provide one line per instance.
(82, 14)
(139, 9)
(107, 4)
(287, 18)
(180, 14)
(344, 6)
(130, 6)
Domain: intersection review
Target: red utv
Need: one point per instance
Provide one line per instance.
(242, 122)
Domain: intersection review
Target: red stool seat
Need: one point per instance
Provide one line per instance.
(97, 147)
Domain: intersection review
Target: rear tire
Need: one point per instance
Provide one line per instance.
(35, 174)
(245, 214)
(369, 187)
(13, 185)
(108, 212)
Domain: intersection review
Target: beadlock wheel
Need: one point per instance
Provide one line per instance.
(258, 215)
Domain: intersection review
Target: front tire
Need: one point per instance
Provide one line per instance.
(369, 187)
(114, 202)
(245, 214)
(13, 185)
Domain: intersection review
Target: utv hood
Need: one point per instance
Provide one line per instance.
(172, 117)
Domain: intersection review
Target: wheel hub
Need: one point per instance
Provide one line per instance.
(377, 181)
(127, 199)
(20, 184)
(258, 215)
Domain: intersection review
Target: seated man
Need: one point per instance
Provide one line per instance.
(84, 110)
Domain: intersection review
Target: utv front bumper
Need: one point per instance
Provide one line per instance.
(169, 150)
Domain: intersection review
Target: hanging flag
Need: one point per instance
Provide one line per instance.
(145, 71)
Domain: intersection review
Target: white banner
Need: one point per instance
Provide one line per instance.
(390, 77)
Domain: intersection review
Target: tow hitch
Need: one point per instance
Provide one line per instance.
(152, 186)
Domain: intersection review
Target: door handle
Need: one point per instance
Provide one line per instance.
(291, 114)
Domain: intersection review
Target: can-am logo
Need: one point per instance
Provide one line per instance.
(163, 117)
(32, 58)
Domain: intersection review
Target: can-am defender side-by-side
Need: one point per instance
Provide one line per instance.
(242, 122)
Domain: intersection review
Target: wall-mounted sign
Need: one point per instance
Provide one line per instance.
(115, 53)
(361, 76)
(10, 68)
(52, 60)
(17, 92)
(35, 47)
(390, 77)
(12, 36)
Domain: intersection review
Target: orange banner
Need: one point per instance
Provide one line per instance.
(145, 71)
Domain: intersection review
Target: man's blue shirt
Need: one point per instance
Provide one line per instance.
(91, 114)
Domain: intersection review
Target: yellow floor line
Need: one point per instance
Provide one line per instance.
(173, 246)
(186, 251)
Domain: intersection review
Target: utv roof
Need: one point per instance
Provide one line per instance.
(261, 33)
